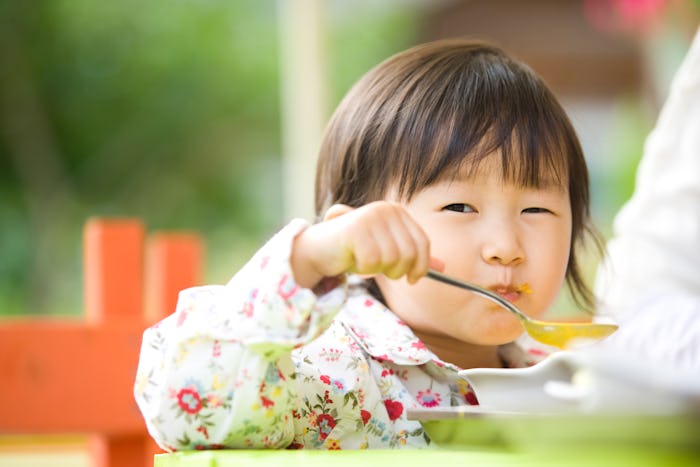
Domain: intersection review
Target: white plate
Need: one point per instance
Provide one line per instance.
(585, 382)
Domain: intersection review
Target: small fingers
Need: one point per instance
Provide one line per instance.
(399, 247)
(412, 249)
(371, 254)
(421, 245)
(380, 252)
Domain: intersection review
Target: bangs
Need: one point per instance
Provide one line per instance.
(504, 111)
(527, 159)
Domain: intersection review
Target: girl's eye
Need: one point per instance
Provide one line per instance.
(459, 207)
(536, 211)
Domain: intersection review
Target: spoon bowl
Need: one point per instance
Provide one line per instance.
(557, 334)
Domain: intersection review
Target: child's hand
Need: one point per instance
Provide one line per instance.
(378, 238)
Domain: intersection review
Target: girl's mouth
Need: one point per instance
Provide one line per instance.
(512, 293)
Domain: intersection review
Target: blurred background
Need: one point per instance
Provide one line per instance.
(205, 114)
(193, 114)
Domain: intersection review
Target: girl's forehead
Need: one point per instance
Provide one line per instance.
(513, 170)
(487, 180)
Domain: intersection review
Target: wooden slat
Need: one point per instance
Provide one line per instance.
(63, 377)
(113, 269)
(77, 376)
(122, 450)
(173, 262)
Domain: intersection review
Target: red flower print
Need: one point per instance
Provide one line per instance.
(326, 379)
(365, 416)
(418, 345)
(393, 408)
(267, 403)
(471, 398)
(216, 351)
(326, 423)
(188, 399)
(326, 397)
(286, 287)
(369, 302)
(207, 447)
(383, 358)
(428, 398)
(202, 429)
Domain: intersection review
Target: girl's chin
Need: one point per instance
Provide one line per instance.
(500, 335)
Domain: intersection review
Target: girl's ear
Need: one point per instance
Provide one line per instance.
(336, 210)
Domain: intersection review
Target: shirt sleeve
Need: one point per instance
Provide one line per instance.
(650, 278)
(218, 372)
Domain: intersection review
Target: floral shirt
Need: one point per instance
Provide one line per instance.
(265, 363)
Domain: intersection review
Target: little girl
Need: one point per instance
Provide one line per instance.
(449, 154)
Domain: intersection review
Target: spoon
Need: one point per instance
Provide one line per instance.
(558, 334)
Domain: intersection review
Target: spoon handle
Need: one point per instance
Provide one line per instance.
(494, 297)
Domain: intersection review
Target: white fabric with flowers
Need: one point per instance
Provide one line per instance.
(264, 363)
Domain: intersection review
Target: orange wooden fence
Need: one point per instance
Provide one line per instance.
(76, 376)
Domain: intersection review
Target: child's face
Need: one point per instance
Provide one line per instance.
(513, 240)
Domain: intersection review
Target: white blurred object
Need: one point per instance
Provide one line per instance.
(304, 100)
(664, 330)
(587, 382)
(650, 279)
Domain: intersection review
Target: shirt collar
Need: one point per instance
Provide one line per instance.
(384, 336)
(381, 333)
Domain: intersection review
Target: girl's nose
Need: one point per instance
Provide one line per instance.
(502, 247)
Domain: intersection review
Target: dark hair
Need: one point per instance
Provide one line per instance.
(438, 109)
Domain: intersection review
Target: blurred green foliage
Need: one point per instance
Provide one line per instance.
(167, 110)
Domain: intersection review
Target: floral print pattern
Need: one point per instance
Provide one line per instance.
(264, 363)
(188, 399)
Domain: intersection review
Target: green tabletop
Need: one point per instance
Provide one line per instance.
(492, 441)
(423, 457)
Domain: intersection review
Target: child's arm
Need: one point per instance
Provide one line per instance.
(219, 371)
